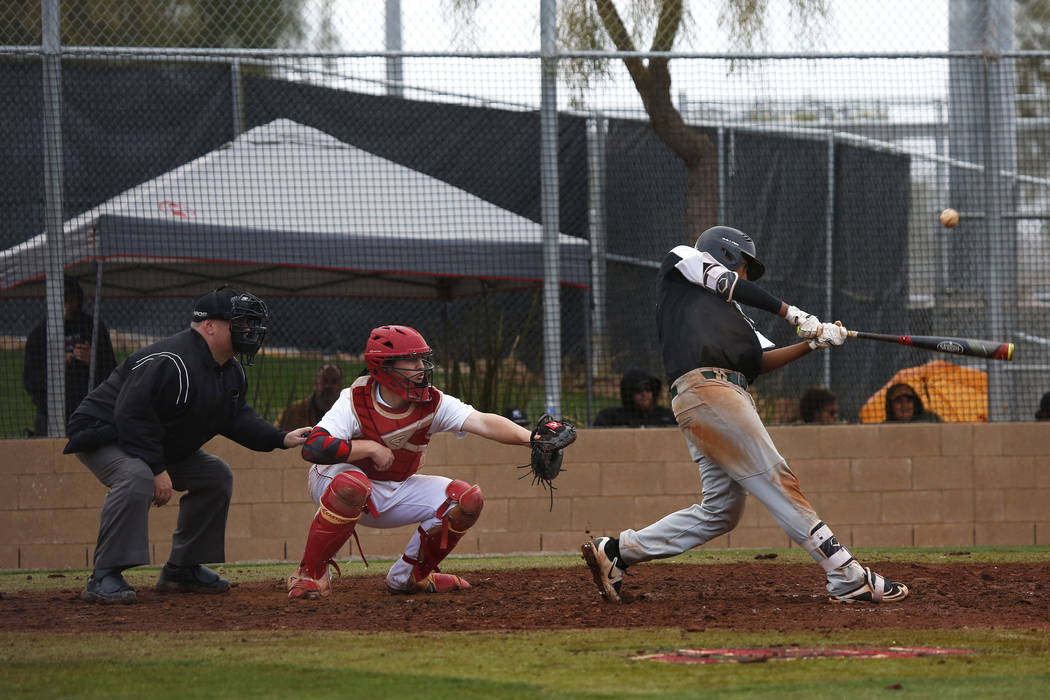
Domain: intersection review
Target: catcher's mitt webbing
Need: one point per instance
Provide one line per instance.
(549, 438)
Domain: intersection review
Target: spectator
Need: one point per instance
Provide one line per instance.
(140, 433)
(79, 328)
(1044, 408)
(818, 405)
(639, 396)
(328, 382)
(903, 405)
(516, 415)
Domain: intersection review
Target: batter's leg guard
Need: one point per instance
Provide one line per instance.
(461, 509)
(825, 548)
(341, 506)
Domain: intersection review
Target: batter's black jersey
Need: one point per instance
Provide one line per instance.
(166, 400)
(699, 328)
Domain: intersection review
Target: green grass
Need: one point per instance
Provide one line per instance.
(274, 381)
(576, 664)
(585, 663)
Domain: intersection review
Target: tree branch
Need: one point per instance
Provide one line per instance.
(621, 39)
(667, 26)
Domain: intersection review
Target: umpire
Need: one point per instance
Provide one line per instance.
(140, 432)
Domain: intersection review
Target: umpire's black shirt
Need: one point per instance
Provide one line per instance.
(166, 400)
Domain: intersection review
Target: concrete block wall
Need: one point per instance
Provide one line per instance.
(952, 485)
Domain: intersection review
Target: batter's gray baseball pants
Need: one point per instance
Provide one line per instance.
(736, 456)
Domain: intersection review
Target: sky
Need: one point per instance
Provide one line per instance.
(887, 26)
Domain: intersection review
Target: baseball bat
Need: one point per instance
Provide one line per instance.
(939, 343)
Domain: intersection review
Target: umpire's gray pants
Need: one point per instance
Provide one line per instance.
(736, 456)
(123, 533)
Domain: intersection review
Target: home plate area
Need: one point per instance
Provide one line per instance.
(761, 655)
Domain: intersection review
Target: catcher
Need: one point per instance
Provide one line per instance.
(366, 451)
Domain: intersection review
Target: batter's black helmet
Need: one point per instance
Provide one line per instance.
(731, 247)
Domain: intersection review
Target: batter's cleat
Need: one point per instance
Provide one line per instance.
(606, 567)
(433, 583)
(875, 589)
(109, 587)
(195, 578)
(302, 586)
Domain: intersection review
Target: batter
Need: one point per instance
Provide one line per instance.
(712, 352)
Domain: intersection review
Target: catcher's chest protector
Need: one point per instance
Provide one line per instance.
(405, 433)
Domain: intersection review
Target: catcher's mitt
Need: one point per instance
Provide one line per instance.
(549, 438)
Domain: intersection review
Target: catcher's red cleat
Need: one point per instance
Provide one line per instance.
(302, 586)
(434, 583)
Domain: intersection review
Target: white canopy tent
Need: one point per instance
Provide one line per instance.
(286, 209)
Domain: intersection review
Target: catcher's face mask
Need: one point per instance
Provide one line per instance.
(409, 378)
(389, 344)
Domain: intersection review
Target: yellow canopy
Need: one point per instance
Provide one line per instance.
(957, 394)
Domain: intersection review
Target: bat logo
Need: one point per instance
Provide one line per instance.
(949, 346)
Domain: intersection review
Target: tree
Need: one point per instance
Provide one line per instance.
(598, 24)
(248, 24)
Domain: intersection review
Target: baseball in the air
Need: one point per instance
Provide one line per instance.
(949, 217)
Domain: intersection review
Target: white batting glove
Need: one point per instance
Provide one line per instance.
(830, 334)
(795, 316)
(808, 325)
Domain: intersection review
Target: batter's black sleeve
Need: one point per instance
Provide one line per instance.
(747, 292)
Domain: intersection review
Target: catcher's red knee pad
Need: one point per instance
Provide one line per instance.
(346, 496)
(462, 506)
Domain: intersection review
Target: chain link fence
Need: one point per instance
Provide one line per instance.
(490, 174)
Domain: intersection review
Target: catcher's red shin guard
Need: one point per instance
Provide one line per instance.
(341, 506)
(461, 509)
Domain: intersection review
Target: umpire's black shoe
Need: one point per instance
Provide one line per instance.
(190, 579)
(108, 587)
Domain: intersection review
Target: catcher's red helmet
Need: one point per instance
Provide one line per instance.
(389, 343)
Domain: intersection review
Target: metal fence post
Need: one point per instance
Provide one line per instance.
(549, 208)
(53, 173)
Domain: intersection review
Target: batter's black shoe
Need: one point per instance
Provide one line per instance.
(190, 579)
(108, 587)
(605, 565)
(875, 589)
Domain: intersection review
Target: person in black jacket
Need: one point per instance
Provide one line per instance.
(79, 330)
(141, 431)
(639, 398)
(903, 405)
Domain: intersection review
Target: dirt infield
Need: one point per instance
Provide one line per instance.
(750, 596)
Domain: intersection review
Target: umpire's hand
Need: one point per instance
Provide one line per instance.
(161, 488)
(296, 437)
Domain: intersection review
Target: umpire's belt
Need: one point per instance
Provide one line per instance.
(690, 378)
